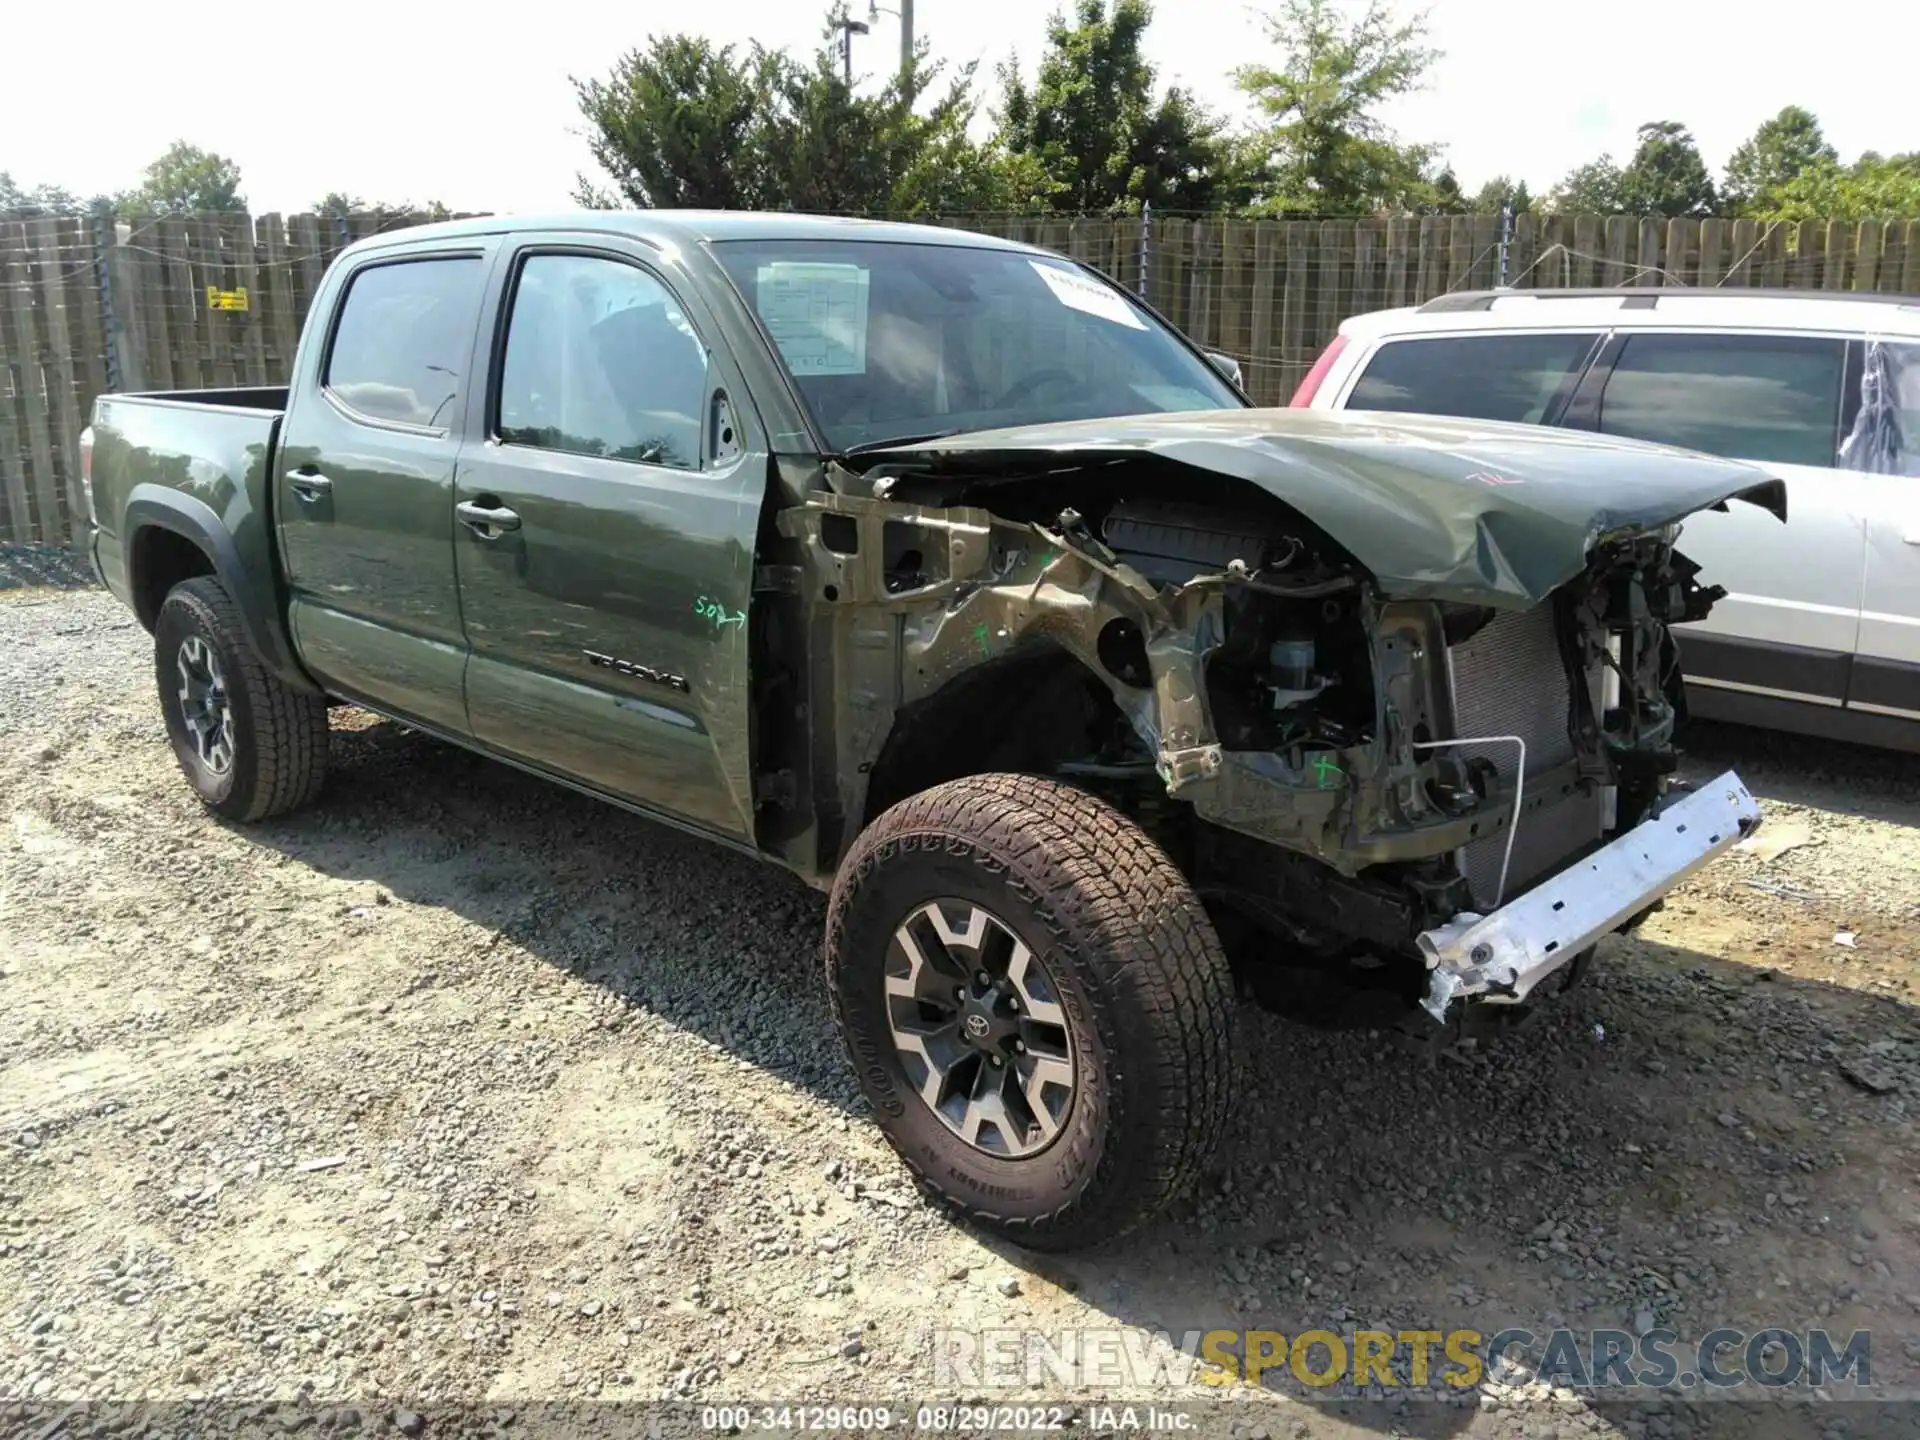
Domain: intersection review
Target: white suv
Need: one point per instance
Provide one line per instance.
(1820, 630)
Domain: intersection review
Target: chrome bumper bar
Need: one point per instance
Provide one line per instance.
(1501, 957)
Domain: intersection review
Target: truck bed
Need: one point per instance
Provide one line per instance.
(245, 397)
(200, 463)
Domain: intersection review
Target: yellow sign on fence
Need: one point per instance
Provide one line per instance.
(218, 299)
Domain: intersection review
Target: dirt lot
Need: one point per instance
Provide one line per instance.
(461, 1086)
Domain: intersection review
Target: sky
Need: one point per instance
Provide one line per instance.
(396, 100)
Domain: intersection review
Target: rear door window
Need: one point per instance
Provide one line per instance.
(1482, 377)
(1771, 398)
(405, 332)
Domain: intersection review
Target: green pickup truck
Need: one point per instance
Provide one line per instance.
(948, 575)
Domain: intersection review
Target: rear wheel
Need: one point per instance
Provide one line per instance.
(1039, 1010)
(249, 744)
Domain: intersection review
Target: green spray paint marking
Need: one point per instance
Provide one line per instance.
(716, 612)
(1047, 557)
(1327, 773)
(980, 634)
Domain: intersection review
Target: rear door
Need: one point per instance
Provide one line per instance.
(1882, 456)
(605, 534)
(364, 489)
(1791, 619)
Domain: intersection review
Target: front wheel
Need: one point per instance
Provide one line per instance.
(1038, 1008)
(249, 744)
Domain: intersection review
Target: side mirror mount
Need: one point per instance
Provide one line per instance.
(1227, 366)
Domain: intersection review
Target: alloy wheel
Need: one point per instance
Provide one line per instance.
(206, 708)
(979, 1028)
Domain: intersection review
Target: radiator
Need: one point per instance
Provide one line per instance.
(1508, 680)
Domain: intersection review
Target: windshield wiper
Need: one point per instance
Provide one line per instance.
(891, 441)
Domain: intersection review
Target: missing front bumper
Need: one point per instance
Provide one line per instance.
(1499, 958)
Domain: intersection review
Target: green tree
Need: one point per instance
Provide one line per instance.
(681, 123)
(825, 148)
(1502, 192)
(1442, 195)
(1776, 155)
(1667, 175)
(185, 180)
(684, 123)
(1091, 124)
(47, 200)
(39, 200)
(1874, 187)
(336, 204)
(1595, 188)
(1323, 148)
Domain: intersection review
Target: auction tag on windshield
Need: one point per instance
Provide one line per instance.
(817, 315)
(1078, 292)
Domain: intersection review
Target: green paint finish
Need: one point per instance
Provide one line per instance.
(1435, 509)
(605, 554)
(396, 670)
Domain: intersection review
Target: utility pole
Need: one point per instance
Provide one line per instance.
(848, 28)
(875, 10)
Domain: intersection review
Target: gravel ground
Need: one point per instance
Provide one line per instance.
(462, 1087)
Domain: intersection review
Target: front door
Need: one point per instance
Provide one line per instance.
(364, 493)
(605, 555)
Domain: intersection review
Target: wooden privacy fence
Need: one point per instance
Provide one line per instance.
(89, 305)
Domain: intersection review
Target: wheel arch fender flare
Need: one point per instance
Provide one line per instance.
(255, 593)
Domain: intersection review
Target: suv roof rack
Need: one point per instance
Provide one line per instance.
(1646, 297)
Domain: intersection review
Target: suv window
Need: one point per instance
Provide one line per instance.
(1885, 435)
(601, 361)
(1483, 377)
(1744, 397)
(403, 338)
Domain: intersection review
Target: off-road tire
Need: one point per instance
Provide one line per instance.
(1139, 971)
(279, 733)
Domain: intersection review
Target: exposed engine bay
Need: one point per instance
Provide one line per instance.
(1355, 769)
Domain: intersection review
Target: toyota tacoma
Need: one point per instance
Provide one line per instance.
(946, 574)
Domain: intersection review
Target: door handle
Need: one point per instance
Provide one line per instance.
(489, 522)
(310, 485)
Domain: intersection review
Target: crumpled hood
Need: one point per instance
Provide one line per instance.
(1436, 508)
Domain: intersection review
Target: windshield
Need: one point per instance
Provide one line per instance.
(893, 341)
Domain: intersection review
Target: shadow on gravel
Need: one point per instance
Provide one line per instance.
(1878, 784)
(714, 942)
(28, 567)
(1672, 1145)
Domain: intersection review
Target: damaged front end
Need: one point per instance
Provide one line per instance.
(1416, 737)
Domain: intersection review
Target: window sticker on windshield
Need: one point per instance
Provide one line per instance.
(817, 315)
(1078, 292)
